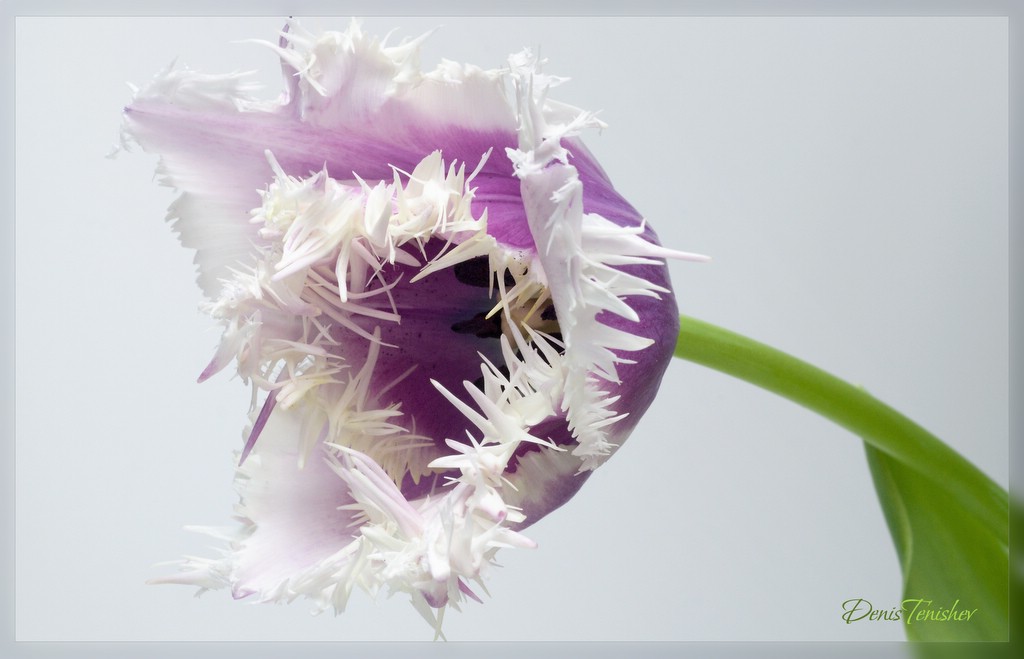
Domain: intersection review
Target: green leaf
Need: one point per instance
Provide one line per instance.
(948, 558)
(949, 521)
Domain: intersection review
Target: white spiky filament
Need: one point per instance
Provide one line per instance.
(581, 254)
(315, 58)
(592, 358)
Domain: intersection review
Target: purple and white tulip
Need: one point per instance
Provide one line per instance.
(447, 314)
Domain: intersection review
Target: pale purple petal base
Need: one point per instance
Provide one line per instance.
(296, 511)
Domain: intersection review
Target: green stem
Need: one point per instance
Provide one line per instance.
(852, 408)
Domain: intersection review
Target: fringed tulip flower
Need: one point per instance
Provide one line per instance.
(447, 314)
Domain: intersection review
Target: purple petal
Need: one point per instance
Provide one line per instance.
(257, 428)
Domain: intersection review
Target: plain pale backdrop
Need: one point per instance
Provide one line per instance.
(848, 175)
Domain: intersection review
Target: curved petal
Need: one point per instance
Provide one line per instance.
(193, 121)
(359, 107)
(294, 519)
(351, 80)
(298, 514)
(543, 481)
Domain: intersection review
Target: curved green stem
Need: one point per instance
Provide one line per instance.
(851, 407)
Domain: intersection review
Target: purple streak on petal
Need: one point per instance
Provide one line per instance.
(435, 598)
(225, 353)
(211, 369)
(257, 428)
(465, 590)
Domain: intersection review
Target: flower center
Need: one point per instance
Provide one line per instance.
(532, 308)
(411, 332)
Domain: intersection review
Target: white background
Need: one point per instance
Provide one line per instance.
(849, 177)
